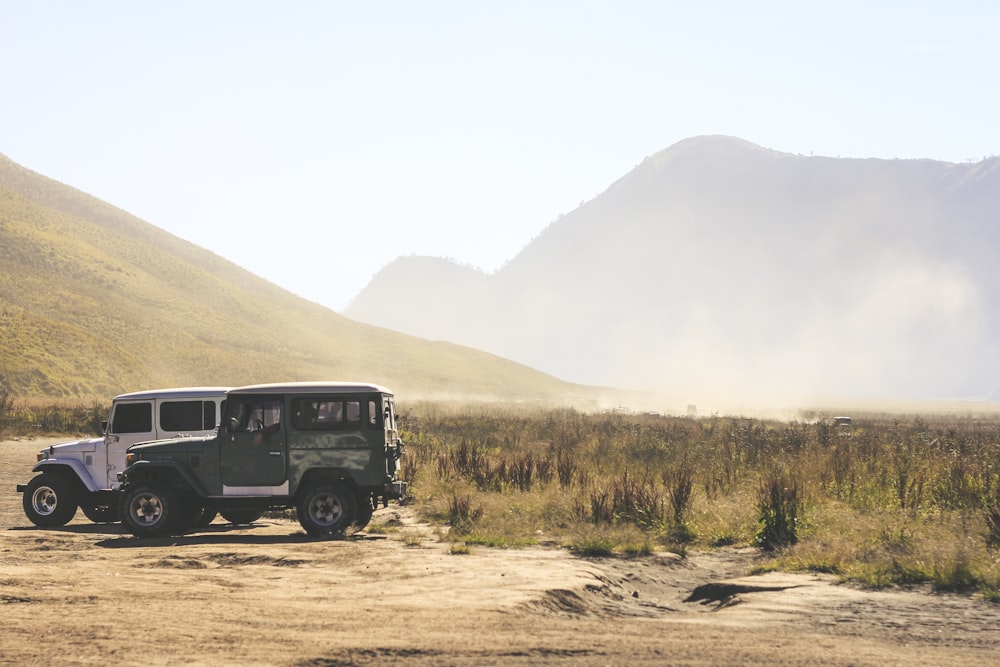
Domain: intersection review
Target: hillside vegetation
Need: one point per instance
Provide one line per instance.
(94, 302)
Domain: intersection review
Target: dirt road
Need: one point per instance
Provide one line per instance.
(266, 595)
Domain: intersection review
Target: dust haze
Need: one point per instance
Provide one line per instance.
(720, 273)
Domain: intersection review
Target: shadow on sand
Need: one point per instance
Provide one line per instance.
(119, 538)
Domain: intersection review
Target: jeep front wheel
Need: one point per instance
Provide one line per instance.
(326, 508)
(49, 500)
(207, 516)
(191, 515)
(149, 510)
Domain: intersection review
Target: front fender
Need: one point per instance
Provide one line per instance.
(162, 470)
(71, 467)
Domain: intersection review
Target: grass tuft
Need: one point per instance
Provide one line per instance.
(594, 547)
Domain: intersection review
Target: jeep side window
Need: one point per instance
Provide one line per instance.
(389, 416)
(179, 416)
(208, 420)
(271, 414)
(331, 413)
(323, 414)
(304, 414)
(255, 415)
(372, 413)
(133, 418)
(236, 416)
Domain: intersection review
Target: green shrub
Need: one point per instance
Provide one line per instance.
(778, 509)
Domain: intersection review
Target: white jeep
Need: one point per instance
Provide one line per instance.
(84, 473)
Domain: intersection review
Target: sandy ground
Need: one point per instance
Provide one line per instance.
(266, 595)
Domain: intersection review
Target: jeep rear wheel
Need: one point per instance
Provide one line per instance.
(149, 510)
(364, 513)
(326, 508)
(49, 500)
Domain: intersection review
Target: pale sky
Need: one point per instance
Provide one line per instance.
(314, 142)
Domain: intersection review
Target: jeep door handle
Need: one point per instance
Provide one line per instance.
(275, 453)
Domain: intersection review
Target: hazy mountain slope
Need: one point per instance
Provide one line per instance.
(717, 266)
(411, 285)
(94, 301)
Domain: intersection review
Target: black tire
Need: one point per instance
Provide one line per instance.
(101, 513)
(192, 511)
(50, 500)
(150, 510)
(208, 515)
(326, 508)
(364, 512)
(241, 517)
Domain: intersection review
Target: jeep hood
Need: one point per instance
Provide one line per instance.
(88, 445)
(171, 445)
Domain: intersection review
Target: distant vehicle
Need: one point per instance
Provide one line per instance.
(83, 474)
(331, 450)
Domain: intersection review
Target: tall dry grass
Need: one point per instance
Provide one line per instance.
(36, 417)
(888, 500)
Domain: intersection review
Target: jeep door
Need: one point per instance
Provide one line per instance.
(130, 422)
(392, 447)
(253, 449)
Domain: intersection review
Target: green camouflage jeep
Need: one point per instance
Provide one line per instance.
(331, 450)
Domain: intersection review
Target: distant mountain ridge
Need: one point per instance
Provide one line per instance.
(94, 302)
(718, 266)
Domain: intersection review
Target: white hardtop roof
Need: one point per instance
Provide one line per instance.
(175, 392)
(311, 388)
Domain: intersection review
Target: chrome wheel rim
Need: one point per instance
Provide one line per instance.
(326, 509)
(44, 500)
(147, 509)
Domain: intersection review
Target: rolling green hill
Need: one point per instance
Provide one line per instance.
(94, 302)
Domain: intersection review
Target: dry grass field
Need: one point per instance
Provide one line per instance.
(90, 594)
